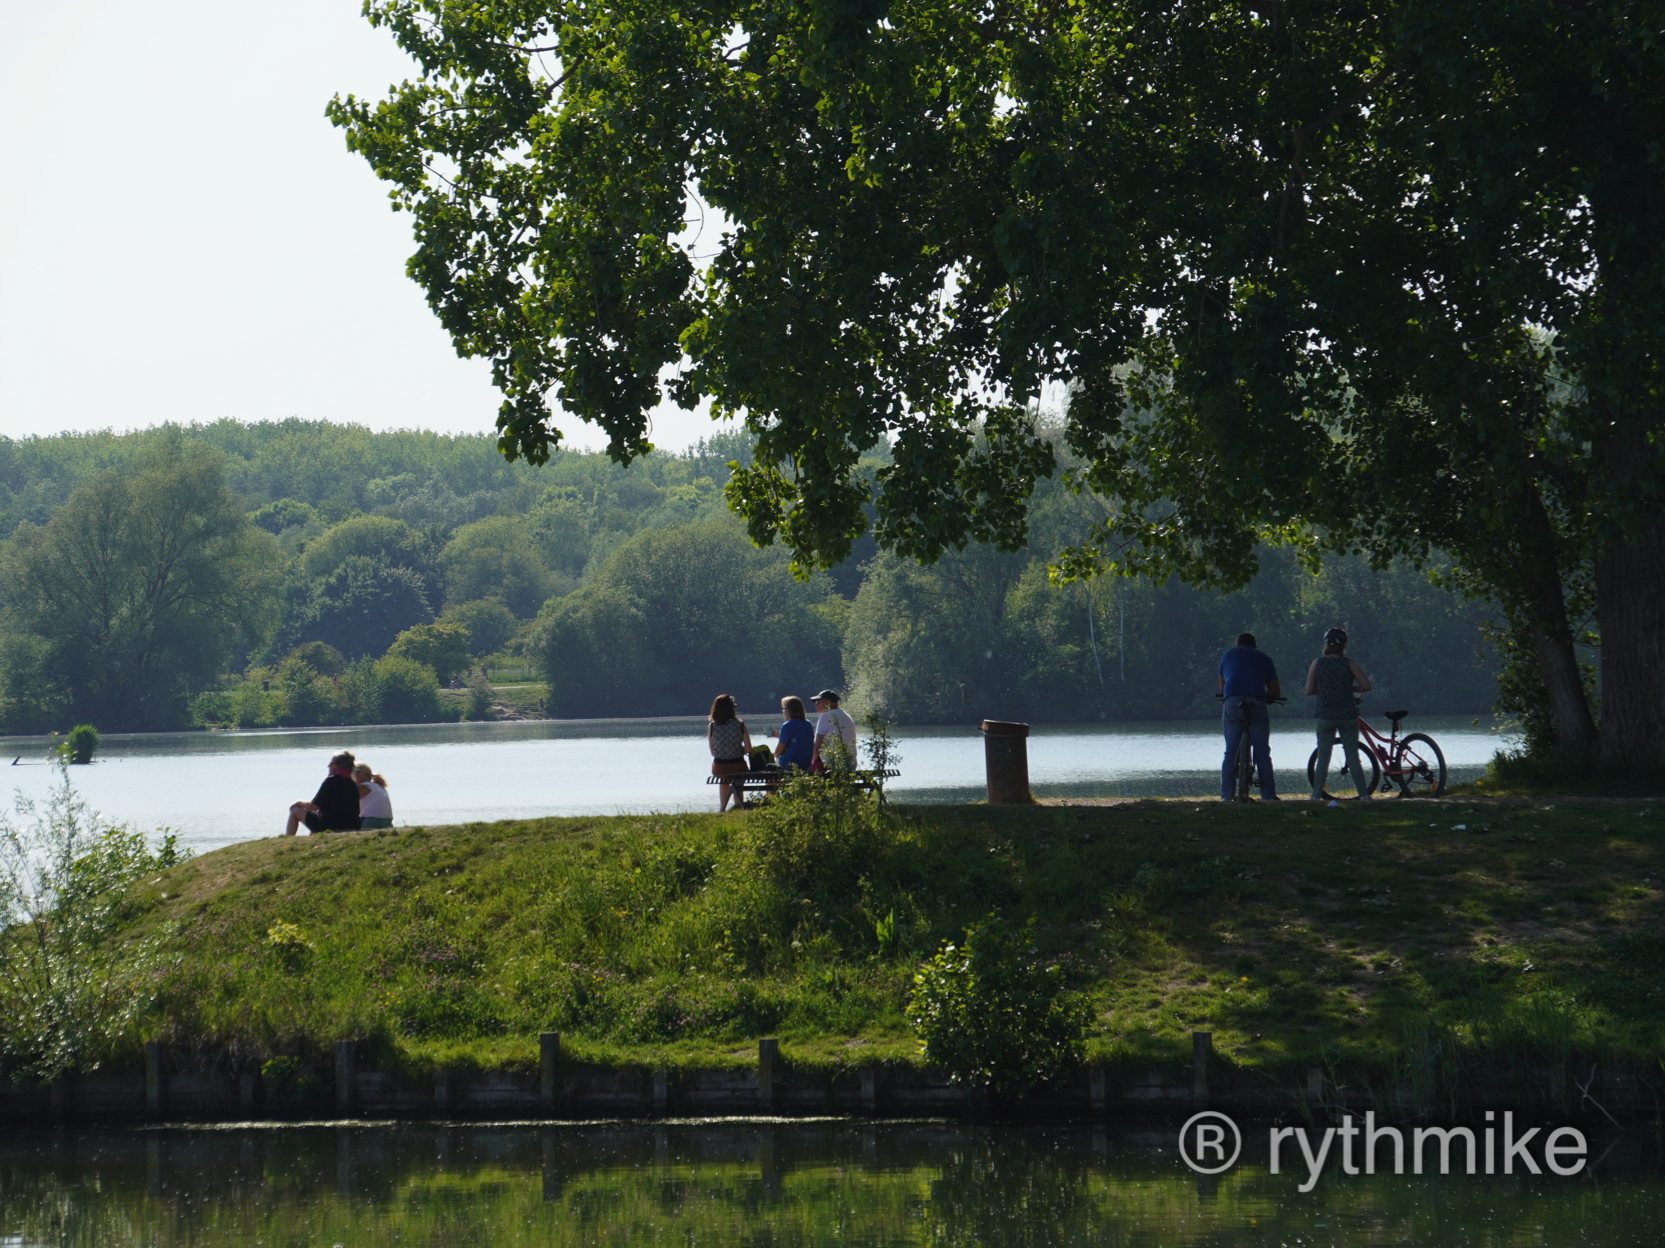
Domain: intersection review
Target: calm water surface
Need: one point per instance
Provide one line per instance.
(757, 1183)
(220, 787)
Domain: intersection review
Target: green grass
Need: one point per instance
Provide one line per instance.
(1381, 941)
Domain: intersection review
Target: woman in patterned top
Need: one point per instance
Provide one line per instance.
(730, 743)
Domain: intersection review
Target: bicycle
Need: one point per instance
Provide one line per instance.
(1414, 762)
(1243, 765)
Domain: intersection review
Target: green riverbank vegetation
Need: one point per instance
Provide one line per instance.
(1411, 947)
(304, 573)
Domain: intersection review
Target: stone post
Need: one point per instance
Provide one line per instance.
(1006, 762)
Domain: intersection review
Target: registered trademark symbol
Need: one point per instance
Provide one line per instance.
(1206, 1132)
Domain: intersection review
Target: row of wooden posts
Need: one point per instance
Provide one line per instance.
(549, 1063)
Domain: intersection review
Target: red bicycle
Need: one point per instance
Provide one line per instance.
(1413, 762)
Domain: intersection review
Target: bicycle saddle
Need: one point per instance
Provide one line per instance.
(1393, 717)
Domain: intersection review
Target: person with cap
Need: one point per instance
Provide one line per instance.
(835, 734)
(1333, 679)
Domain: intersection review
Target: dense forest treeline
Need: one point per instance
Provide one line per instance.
(305, 573)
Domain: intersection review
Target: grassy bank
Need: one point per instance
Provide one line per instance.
(1380, 941)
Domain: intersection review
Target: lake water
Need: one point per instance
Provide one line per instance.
(941, 1184)
(215, 788)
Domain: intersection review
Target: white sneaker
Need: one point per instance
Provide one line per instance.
(1365, 797)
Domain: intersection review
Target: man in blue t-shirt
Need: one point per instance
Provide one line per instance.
(1247, 680)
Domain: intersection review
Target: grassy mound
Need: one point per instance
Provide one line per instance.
(1371, 939)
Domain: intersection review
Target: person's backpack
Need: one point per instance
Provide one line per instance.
(762, 757)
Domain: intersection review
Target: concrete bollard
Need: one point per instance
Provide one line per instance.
(155, 1089)
(1006, 760)
(346, 1076)
(1202, 1043)
(768, 1053)
(549, 1061)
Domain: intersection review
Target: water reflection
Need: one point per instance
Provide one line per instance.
(724, 1183)
(217, 788)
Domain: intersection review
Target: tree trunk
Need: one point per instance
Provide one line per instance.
(1630, 605)
(1544, 605)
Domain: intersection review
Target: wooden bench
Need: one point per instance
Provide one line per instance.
(756, 785)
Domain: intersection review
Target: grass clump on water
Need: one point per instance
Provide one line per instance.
(1404, 945)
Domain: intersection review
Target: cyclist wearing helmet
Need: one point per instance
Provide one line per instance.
(1247, 678)
(1333, 679)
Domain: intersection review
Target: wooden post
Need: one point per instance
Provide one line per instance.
(1201, 1043)
(869, 1090)
(346, 1075)
(549, 1059)
(155, 1094)
(768, 1051)
(661, 1090)
(1096, 1089)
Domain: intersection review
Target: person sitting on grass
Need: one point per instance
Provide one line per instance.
(730, 743)
(835, 735)
(796, 746)
(375, 808)
(334, 807)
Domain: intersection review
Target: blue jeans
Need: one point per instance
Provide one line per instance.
(1260, 740)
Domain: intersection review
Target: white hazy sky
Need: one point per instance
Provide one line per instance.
(184, 237)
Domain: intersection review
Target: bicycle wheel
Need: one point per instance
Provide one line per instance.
(1245, 767)
(1420, 765)
(1338, 770)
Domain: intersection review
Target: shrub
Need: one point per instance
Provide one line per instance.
(409, 691)
(443, 647)
(479, 698)
(993, 1015)
(68, 986)
(308, 697)
(81, 743)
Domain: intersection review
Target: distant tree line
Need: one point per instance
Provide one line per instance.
(304, 573)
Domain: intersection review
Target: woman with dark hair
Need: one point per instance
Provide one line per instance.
(797, 739)
(730, 743)
(1333, 679)
(334, 808)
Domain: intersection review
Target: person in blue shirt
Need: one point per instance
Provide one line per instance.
(1247, 679)
(797, 738)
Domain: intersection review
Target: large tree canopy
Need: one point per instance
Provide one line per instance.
(1376, 276)
(131, 597)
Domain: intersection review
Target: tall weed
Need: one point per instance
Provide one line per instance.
(68, 987)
